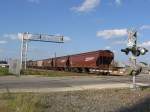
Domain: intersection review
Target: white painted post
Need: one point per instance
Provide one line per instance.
(26, 47)
(22, 39)
(134, 75)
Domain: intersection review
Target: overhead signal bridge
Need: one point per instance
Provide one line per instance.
(43, 38)
(26, 37)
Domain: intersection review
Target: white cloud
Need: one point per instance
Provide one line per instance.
(118, 2)
(115, 33)
(3, 42)
(145, 27)
(34, 1)
(11, 36)
(114, 51)
(107, 47)
(145, 44)
(87, 5)
(66, 39)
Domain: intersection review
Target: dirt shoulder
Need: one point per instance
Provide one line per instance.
(106, 100)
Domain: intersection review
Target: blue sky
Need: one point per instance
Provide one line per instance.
(90, 25)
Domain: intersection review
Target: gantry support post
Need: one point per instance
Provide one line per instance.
(24, 48)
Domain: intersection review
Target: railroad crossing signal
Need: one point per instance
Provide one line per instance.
(142, 50)
(132, 45)
(132, 38)
(26, 37)
(135, 51)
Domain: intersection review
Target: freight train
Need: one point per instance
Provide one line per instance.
(96, 61)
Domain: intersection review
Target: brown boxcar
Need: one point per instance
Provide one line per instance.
(91, 60)
(29, 64)
(40, 64)
(83, 62)
(48, 63)
(33, 64)
(61, 63)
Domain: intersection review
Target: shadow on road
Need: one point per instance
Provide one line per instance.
(141, 106)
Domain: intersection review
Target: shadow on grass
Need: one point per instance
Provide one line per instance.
(141, 106)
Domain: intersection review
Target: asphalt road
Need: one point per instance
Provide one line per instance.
(47, 84)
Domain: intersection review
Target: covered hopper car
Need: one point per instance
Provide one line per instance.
(99, 61)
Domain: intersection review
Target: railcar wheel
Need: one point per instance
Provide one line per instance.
(85, 70)
(108, 73)
(73, 70)
(79, 70)
(99, 73)
(66, 69)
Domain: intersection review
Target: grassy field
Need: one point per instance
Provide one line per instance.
(51, 73)
(4, 71)
(116, 100)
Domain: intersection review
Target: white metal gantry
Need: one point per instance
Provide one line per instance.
(26, 37)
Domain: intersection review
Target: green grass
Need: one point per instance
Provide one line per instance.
(51, 73)
(23, 102)
(4, 71)
(110, 100)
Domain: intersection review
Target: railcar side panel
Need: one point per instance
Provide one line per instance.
(87, 60)
(62, 61)
(48, 63)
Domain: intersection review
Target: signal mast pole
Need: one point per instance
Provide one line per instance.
(26, 37)
(132, 44)
(24, 48)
